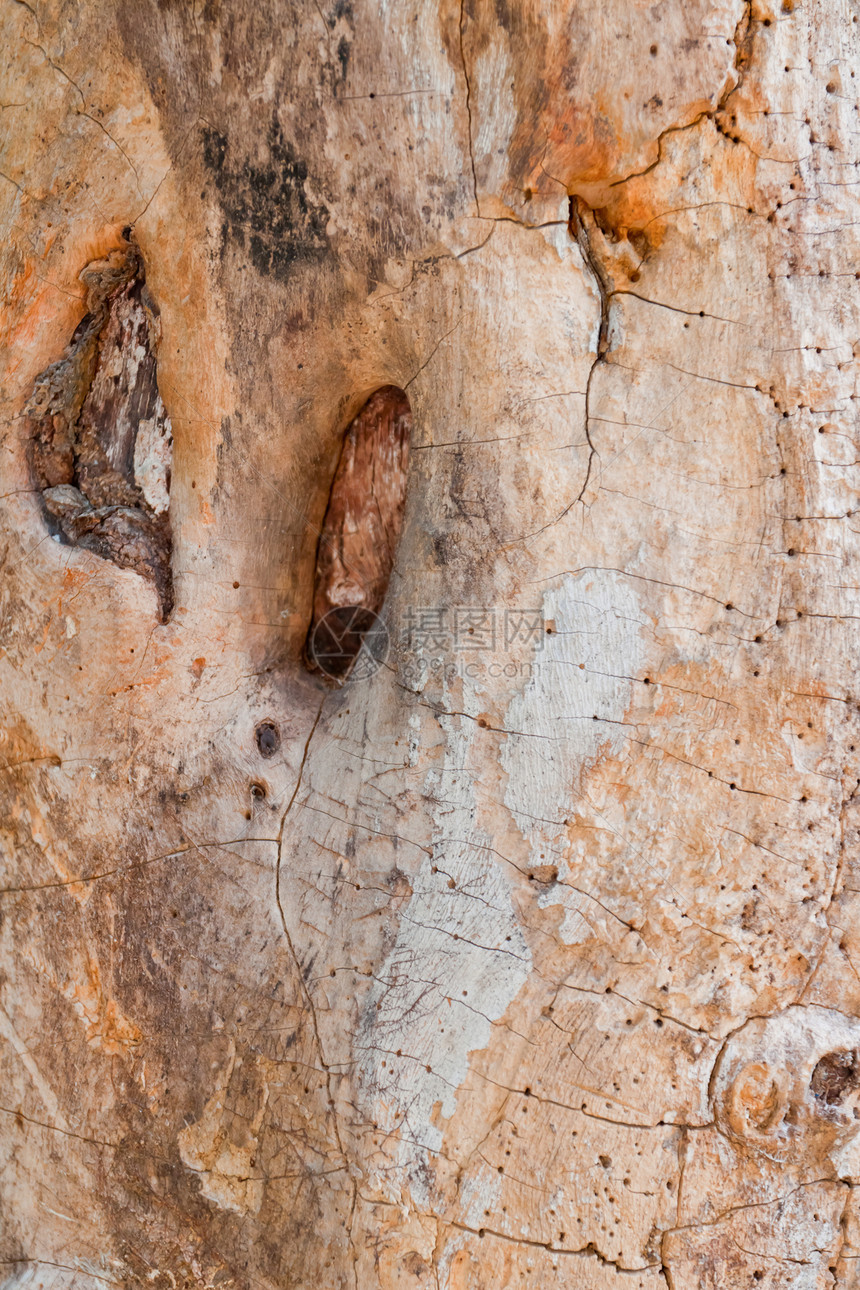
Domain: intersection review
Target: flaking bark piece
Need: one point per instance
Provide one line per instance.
(101, 437)
(360, 533)
(129, 536)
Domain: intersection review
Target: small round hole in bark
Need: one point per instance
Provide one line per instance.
(358, 541)
(268, 738)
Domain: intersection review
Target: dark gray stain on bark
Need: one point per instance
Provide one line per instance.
(267, 202)
(101, 437)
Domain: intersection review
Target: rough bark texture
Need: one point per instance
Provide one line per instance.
(98, 421)
(532, 959)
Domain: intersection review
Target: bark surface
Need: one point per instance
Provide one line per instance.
(530, 957)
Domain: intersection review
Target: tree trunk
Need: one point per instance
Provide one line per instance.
(519, 946)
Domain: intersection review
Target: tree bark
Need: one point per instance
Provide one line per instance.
(526, 955)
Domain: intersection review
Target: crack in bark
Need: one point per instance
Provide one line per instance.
(469, 104)
(730, 1210)
(581, 233)
(55, 1128)
(742, 33)
(743, 56)
(589, 1250)
(665, 1270)
(303, 987)
(81, 112)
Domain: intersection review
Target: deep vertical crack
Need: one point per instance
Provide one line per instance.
(665, 1270)
(579, 231)
(468, 107)
(741, 35)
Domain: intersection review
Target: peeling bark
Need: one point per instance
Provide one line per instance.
(102, 441)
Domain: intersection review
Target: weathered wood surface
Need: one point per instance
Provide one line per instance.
(504, 967)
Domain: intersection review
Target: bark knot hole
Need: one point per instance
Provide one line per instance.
(359, 538)
(268, 738)
(101, 439)
(835, 1076)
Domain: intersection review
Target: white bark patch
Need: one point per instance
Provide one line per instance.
(571, 709)
(122, 363)
(459, 960)
(153, 458)
(480, 1194)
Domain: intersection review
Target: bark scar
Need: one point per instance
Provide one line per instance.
(101, 439)
(359, 537)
